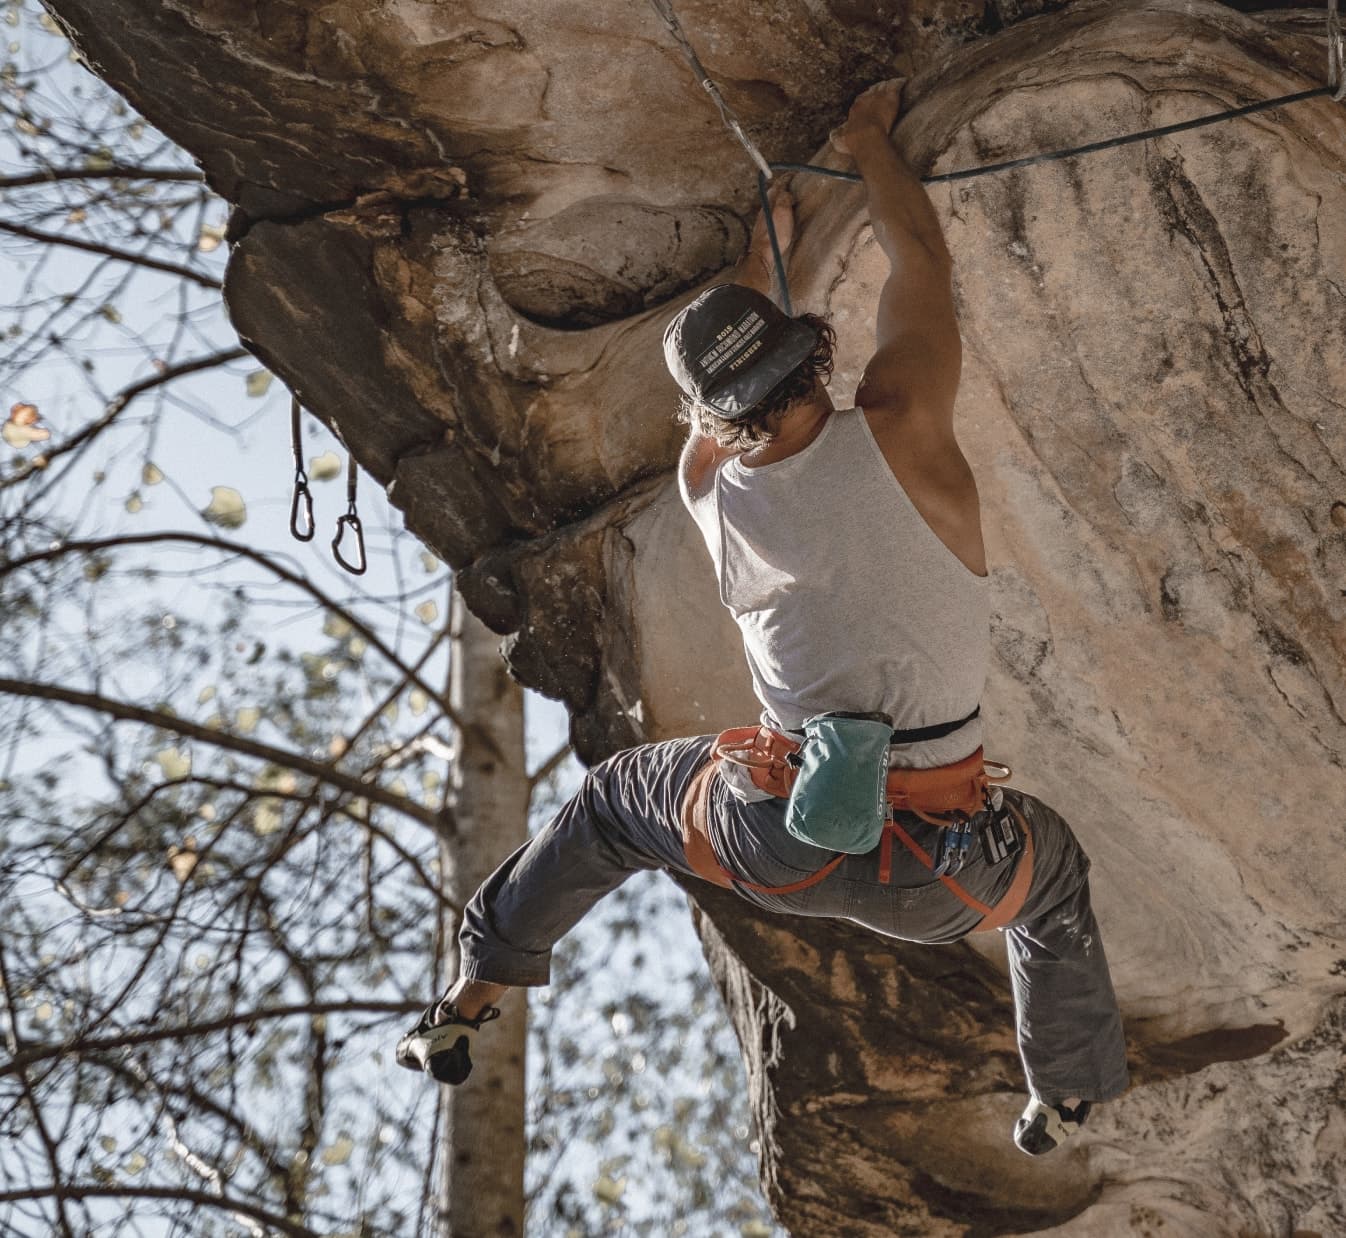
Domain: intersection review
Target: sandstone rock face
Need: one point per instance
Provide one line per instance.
(489, 212)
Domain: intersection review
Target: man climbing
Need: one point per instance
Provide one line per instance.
(848, 547)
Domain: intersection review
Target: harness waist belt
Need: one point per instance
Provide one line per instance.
(957, 790)
(947, 789)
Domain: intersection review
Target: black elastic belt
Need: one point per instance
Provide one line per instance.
(920, 734)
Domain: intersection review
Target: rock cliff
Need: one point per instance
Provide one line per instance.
(459, 230)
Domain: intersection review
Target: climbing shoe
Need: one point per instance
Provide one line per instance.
(441, 1042)
(1044, 1127)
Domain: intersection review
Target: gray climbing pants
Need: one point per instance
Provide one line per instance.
(626, 817)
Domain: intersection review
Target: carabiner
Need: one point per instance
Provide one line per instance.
(301, 511)
(352, 521)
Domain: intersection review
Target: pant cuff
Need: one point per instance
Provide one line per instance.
(512, 970)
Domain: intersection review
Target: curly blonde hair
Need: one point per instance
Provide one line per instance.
(763, 422)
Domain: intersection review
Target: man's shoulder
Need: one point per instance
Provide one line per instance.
(697, 467)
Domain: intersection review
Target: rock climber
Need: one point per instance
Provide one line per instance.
(848, 547)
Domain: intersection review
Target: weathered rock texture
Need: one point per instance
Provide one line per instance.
(460, 229)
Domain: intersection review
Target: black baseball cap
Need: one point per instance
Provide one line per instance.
(731, 346)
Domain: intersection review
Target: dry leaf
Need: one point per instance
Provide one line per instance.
(174, 764)
(266, 818)
(226, 508)
(258, 381)
(609, 1190)
(427, 612)
(212, 236)
(340, 1151)
(150, 474)
(23, 428)
(182, 860)
(325, 467)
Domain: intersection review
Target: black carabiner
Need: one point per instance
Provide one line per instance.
(301, 510)
(352, 521)
(301, 502)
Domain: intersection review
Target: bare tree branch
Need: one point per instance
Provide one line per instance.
(63, 1191)
(116, 406)
(125, 712)
(549, 766)
(77, 1046)
(117, 172)
(109, 251)
(92, 546)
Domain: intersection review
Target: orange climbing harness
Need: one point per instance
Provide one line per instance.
(942, 796)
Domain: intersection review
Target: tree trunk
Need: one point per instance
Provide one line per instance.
(482, 1156)
(486, 220)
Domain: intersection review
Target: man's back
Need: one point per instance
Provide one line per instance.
(847, 600)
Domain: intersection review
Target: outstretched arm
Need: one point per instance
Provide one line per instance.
(918, 355)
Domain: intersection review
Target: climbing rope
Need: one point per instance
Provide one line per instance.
(665, 10)
(1336, 53)
(1336, 88)
(301, 503)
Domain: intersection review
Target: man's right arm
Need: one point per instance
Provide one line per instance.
(701, 457)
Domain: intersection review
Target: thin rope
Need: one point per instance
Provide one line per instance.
(670, 19)
(1336, 88)
(1089, 148)
(1336, 53)
(776, 256)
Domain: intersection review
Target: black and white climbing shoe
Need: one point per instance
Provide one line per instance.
(442, 1047)
(1044, 1127)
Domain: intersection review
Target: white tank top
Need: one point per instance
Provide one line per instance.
(846, 598)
